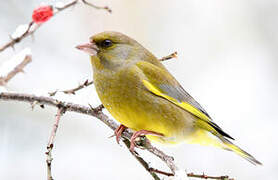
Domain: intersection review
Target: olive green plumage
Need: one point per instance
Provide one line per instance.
(141, 94)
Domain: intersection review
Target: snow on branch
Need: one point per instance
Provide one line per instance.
(15, 65)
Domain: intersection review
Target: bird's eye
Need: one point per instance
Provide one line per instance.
(106, 43)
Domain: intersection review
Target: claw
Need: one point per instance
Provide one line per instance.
(140, 133)
(119, 131)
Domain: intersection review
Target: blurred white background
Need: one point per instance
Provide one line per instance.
(227, 60)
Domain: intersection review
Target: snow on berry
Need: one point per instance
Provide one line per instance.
(42, 14)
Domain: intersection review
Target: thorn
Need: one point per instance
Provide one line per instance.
(53, 93)
(108, 9)
(96, 109)
(86, 82)
(91, 107)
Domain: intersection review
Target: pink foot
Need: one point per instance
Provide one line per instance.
(118, 132)
(140, 133)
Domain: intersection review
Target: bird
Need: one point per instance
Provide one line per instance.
(142, 95)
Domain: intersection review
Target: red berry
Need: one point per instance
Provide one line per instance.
(42, 14)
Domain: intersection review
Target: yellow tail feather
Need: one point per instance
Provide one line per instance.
(203, 137)
(231, 147)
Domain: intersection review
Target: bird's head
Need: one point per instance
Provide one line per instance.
(113, 49)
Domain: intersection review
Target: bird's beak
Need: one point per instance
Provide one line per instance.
(90, 48)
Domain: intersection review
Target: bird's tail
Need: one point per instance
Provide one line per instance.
(228, 145)
(208, 133)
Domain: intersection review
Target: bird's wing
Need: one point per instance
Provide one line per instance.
(161, 83)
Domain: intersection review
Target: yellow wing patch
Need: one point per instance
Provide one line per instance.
(186, 106)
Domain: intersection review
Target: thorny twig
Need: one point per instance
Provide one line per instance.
(32, 27)
(141, 160)
(168, 160)
(50, 144)
(201, 176)
(161, 172)
(73, 90)
(13, 41)
(17, 69)
(97, 7)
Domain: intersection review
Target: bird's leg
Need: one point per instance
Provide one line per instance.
(140, 133)
(119, 131)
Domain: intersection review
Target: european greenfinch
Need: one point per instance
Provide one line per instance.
(142, 95)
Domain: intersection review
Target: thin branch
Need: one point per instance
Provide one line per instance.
(161, 172)
(32, 27)
(72, 91)
(18, 39)
(141, 160)
(70, 4)
(17, 69)
(171, 56)
(67, 105)
(203, 176)
(97, 7)
(168, 160)
(50, 144)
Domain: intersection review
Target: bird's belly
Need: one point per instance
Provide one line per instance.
(141, 110)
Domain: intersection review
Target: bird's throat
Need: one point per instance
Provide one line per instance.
(96, 63)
